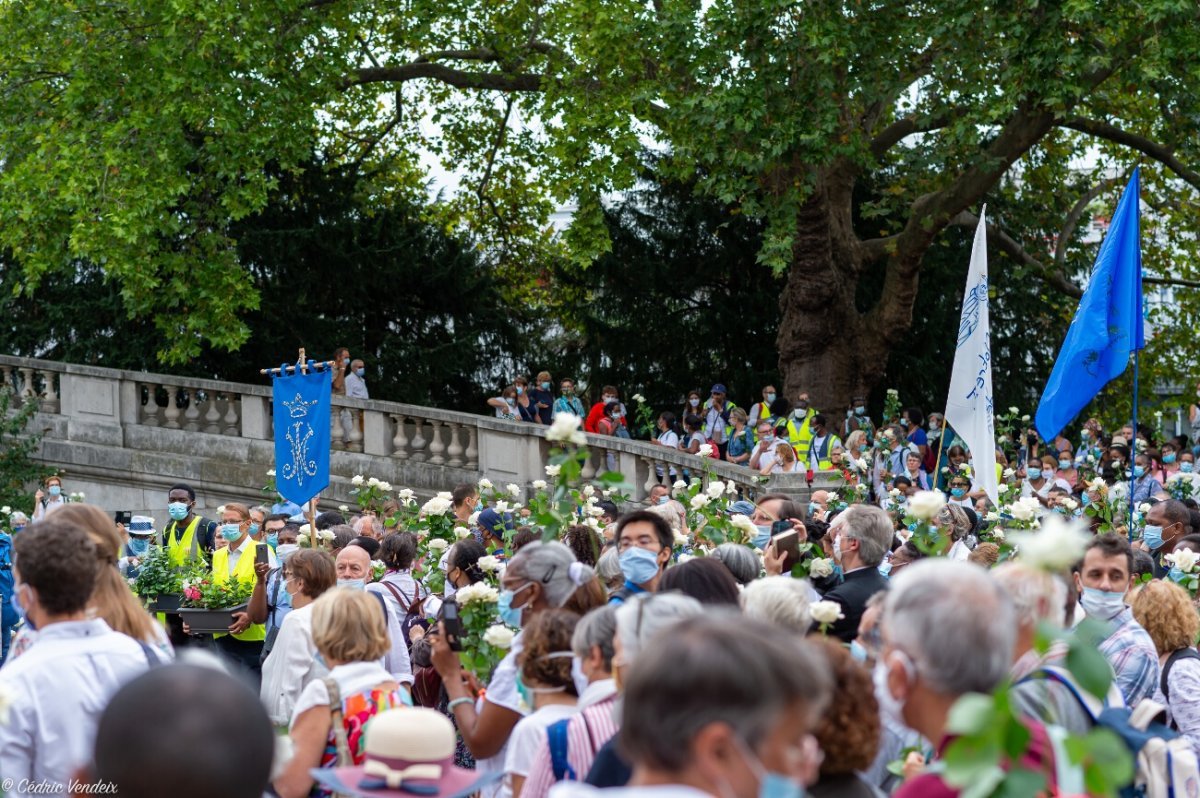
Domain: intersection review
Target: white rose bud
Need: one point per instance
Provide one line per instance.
(926, 504)
(461, 532)
(826, 611)
(706, 450)
(357, 480)
(552, 470)
(514, 490)
(821, 567)
(499, 636)
(539, 484)
(438, 545)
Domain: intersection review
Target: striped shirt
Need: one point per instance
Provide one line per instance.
(586, 733)
(1133, 657)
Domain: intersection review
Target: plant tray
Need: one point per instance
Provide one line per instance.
(210, 621)
(165, 602)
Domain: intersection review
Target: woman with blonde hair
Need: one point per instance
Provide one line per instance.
(350, 634)
(1166, 612)
(785, 460)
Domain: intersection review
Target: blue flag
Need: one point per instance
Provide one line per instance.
(301, 407)
(1108, 325)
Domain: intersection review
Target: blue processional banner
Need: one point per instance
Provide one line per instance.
(302, 408)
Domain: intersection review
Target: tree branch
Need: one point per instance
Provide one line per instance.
(903, 127)
(1068, 228)
(1159, 152)
(1052, 275)
(417, 70)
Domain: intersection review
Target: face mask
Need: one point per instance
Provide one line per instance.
(520, 391)
(837, 549)
(770, 783)
(231, 532)
(885, 569)
(1034, 473)
(935, 425)
(177, 510)
(1139, 471)
(360, 373)
(1152, 537)
(849, 414)
(253, 529)
(353, 584)
(904, 423)
(958, 493)
(860, 410)
(1064, 464)
(813, 508)
(545, 386)
(798, 413)
(1169, 458)
(762, 536)
(568, 391)
(1186, 466)
(15, 601)
(508, 613)
(770, 398)
(1085, 499)
(285, 550)
(139, 546)
(858, 651)
(891, 709)
(17, 529)
(639, 566)
(526, 692)
(273, 540)
(1101, 603)
(510, 401)
(768, 439)
(1085, 434)
(1175, 574)
(55, 490)
(664, 499)
(694, 402)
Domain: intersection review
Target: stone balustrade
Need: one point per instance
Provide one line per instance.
(127, 436)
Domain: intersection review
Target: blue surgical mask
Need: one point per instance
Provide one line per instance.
(763, 536)
(253, 529)
(904, 423)
(353, 584)
(1186, 466)
(858, 651)
(1064, 464)
(664, 499)
(1034, 473)
(16, 605)
(545, 386)
(885, 569)
(509, 614)
(177, 510)
(958, 493)
(813, 508)
(1152, 537)
(1085, 499)
(1175, 574)
(770, 398)
(1102, 604)
(55, 490)
(1169, 458)
(639, 565)
(1139, 471)
(860, 410)
(17, 529)
(273, 540)
(520, 390)
(139, 546)
(231, 532)
(1085, 434)
(770, 783)
(360, 373)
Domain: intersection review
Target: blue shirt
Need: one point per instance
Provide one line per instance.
(279, 604)
(630, 589)
(539, 397)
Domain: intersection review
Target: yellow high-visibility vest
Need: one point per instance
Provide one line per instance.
(243, 572)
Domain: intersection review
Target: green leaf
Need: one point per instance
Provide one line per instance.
(971, 714)
(1089, 667)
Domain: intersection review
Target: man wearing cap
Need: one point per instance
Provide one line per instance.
(492, 528)
(141, 533)
(716, 418)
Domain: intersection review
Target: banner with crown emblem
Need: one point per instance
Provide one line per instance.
(302, 408)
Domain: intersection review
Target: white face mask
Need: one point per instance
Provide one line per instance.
(891, 708)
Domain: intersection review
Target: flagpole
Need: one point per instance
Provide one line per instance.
(1133, 443)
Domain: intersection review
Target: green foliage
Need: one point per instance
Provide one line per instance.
(201, 591)
(17, 446)
(156, 576)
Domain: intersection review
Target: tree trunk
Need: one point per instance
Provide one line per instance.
(826, 347)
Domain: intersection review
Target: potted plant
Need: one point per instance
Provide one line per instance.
(158, 583)
(208, 606)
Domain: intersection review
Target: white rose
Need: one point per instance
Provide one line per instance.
(270, 472)
(1070, 504)
(485, 484)
(539, 484)
(220, 509)
(893, 392)
(679, 484)
(1013, 410)
(992, 516)
(1009, 473)
(305, 529)
(998, 535)
(445, 494)
(925, 504)
(342, 508)
(502, 507)
(715, 489)
(1002, 488)
(324, 534)
(565, 429)
(302, 539)
(894, 493)
(681, 539)
(1025, 419)
(1184, 559)
(821, 567)
(705, 450)
(385, 486)
(1057, 546)
(499, 636)
(1144, 508)
(1024, 509)
(514, 490)
(637, 397)
(685, 558)
(372, 482)
(480, 592)
(742, 522)
(488, 564)
(595, 511)
(552, 470)
(588, 491)
(357, 480)
(436, 506)
(438, 545)
(461, 532)
(825, 611)
(406, 494)
(474, 518)
(5, 509)
(700, 501)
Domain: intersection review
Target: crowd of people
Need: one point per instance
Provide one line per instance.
(824, 652)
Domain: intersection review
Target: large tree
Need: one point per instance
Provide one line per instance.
(132, 135)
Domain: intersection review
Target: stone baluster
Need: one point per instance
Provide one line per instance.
(8, 376)
(232, 421)
(212, 416)
(354, 441)
(455, 449)
(150, 409)
(472, 453)
(588, 471)
(418, 440)
(400, 439)
(651, 474)
(172, 412)
(50, 403)
(436, 447)
(28, 390)
(337, 432)
(191, 416)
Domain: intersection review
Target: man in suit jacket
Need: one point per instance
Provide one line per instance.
(860, 537)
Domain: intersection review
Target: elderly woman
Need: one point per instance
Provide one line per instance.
(539, 577)
(350, 634)
(292, 663)
(780, 600)
(849, 730)
(953, 522)
(1165, 611)
(741, 561)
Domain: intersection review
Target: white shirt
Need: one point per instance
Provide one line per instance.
(291, 665)
(407, 585)
(351, 678)
(42, 511)
(356, 386)
(527, 740)
(501, 691)
(59, 688)
(247, 543)
(768, 457)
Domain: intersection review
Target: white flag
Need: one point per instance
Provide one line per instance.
(969, 406)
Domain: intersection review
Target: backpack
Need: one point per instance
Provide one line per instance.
(1183, 653)
(1165, 763)
(413, 615)
(556, 735)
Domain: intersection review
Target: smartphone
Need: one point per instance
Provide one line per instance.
(123, 517)
(453, 625)
(779, 527)
(262, 553)
(788, 543)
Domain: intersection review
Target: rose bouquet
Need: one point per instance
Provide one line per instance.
(1185, 570)
(485, 640)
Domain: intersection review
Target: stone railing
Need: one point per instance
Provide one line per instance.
(143, 432)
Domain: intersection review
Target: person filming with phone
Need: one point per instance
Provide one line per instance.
(858, 540)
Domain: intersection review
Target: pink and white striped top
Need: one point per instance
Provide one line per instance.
(586, 733)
